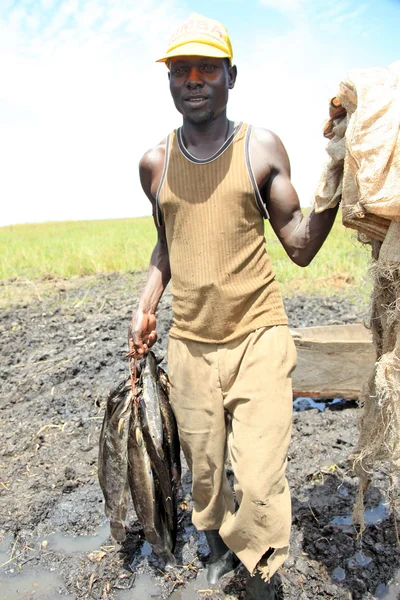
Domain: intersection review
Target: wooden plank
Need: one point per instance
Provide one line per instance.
(332, 361)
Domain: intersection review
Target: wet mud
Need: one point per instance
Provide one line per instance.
(60, 355)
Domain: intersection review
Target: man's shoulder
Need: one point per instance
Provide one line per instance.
(153, 159)
(267, 154)
(266, 137)
(269, 146)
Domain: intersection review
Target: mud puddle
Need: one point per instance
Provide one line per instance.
(359, 560)
(339, 574)
(37, 584)
(372, 516)
(144, 587)
(194, 589)
(5, 545)
(81, 543)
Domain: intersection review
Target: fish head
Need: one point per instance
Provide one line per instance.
(120, 389)
(150, 367)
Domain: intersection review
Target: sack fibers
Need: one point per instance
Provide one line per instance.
(363, 173)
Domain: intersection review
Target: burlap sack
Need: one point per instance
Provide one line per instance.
(389, 254)
(372, 171)
(368, 178)
(379, 439)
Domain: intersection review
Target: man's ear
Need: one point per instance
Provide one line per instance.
(232, 74)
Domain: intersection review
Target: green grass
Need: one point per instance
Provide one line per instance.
(78, 248)
(75, 248)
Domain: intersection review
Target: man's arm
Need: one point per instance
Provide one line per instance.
(300, 236)
(142, 330)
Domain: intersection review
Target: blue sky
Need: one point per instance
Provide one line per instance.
(81, 98)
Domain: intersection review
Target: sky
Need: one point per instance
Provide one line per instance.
(82, 99)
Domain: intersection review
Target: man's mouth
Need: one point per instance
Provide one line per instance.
(195, 99)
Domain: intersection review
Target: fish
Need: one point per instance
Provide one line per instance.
(172, 447)
(145, 491)
(153, 433)
(113, 457)
(139, 451)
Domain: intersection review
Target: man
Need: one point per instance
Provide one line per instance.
(211, 183)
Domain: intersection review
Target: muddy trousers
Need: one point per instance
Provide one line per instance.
(238, 395)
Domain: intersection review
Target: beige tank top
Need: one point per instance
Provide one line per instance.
(223, 284)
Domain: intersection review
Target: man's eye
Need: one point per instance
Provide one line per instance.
(179, 71)
(209, 68)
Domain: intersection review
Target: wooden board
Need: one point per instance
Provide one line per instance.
(332, 361)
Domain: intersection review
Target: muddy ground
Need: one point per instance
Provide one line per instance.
(60, 354)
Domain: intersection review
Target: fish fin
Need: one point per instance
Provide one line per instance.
(139, 436)
(120, 427)
(148, 464)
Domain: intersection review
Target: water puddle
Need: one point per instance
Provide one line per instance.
(143, 588)
(339, 574)
(33, 585)
(5, 548)
(302, 403)
(343, 491)
(390, 591)
(191, 590)
(40, 584)
(372, 516)
(359, 560)
(82, 543)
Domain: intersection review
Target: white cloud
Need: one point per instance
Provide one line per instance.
(91, 13)
(47, 4)
(6, 4)
(331, 11)
(351, 15)
(32, 22)
(317, 11)
(283, 5)
(17, 16)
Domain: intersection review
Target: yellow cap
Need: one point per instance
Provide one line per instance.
(199, 36)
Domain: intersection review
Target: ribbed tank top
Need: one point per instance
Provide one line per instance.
(223, 284)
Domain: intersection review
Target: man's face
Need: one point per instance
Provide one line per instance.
(199, 86)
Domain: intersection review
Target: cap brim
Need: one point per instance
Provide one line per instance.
(194, 49)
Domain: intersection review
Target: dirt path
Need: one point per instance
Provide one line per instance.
(59, 358)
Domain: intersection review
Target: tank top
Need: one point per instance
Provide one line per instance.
(223, 284)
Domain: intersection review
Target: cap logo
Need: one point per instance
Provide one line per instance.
(195, 25)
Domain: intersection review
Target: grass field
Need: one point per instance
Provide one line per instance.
(77, 248)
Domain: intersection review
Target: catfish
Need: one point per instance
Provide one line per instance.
(113, 457)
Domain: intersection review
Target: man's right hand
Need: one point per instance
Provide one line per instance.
(141, 333)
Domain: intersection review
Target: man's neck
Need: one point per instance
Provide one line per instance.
(204, 139)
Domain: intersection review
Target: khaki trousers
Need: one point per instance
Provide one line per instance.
(250, 380)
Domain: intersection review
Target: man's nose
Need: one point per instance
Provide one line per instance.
(194, 78)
